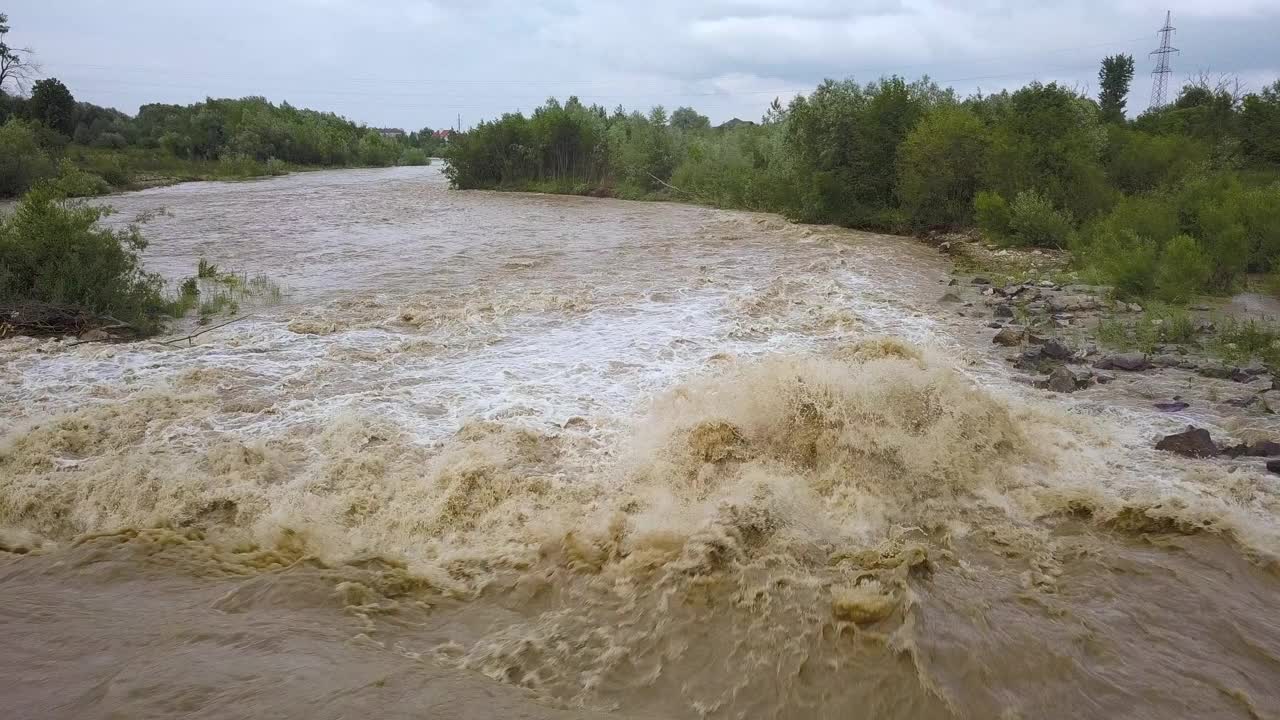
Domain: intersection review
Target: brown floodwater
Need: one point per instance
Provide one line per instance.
(499, 455)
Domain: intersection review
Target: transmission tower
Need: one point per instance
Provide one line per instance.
(1160, 76)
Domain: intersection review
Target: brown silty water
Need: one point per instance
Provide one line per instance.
(522, 456)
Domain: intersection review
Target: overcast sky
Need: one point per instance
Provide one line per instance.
(415, 63)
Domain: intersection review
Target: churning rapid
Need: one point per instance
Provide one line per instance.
(523, 456)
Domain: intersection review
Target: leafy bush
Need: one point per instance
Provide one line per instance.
(1033, 220)
(414, 157)
(73, 182)
(938, 168)
(992, 213)
(1184, 269)
(22, 161)
(54, 252)
(1126, 261)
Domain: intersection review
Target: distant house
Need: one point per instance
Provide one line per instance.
(442, 134)
(391, 133)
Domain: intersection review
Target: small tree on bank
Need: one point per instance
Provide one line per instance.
(1114, 79)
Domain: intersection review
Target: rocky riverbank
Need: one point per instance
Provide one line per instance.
(1064, 336)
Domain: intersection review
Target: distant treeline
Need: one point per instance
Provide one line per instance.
(1184, 199)
(49, 134)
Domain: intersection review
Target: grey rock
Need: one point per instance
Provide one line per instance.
(1066, 303)
(1038, 306)
(1175, 406)
(980, 281)
(1062, 380)
(995, 325)
(1193, 442)
(1009, 336)
(1003, 311)
(1271, 401)
(1129, 362)
(1216, 370)
(949, 298)
(1257, 448)
(953, 282)
(1273, 466)
(1255, 367)
(1056, 350)
(1166, 360)
(1103, 378)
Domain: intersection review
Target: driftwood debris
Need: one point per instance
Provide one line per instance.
(39, 319)
(194, 335)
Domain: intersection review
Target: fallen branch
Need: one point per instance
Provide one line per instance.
(192, 336)
(667, 184)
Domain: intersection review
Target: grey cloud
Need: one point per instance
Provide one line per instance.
(412, 63)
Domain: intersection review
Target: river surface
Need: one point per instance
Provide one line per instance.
(500, 455)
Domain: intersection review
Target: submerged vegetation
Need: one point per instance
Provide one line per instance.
(1180, 201)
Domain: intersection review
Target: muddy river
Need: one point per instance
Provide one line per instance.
(498, 455)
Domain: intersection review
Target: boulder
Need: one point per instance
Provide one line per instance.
(949, 298)
(980, 281)
(1192, 442)
(994, 325)
(1003, 311)
(1257, 448)
(1274, 466)
(1062, 380)
(1173, 406)
(1073, 303)
(1216, 370)
(1009, 336)
(1055, 349)
(1129, 362)
(1271, 401)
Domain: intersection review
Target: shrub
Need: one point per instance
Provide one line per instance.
(22, 162)
(938, 167)
(1184, 269)
(1033, 220)
(73, 182)
(277, 167)
(1124, 260)
(54, 252)
(992, 213)
(110, 141)
(415, 157)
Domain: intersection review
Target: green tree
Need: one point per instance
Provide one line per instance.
(1114, 79)
(52, 106)
(1260, 126)
(686, 119)
(938, 168)
(22, 162)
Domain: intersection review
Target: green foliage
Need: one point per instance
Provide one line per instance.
(1049, 138)
(686, 119)
(1260, 127)
(414, 156)
(1184, 269)
(1033, 220)
(55, 252)
(22, 160)
(1139, 162)
(992, 213)
(938, 167)
(73, 182)
(1113, 83)
(1159, 325)
(52, 106)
